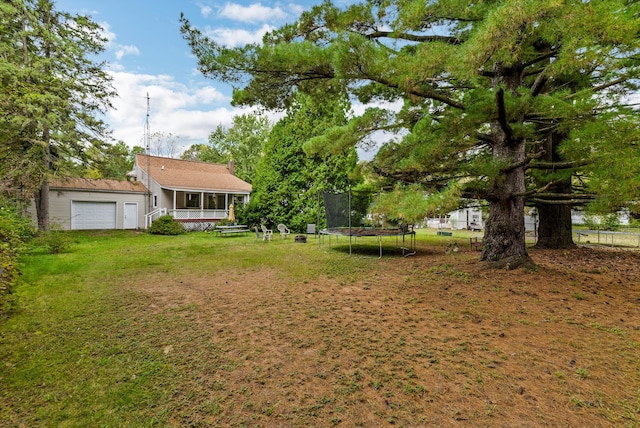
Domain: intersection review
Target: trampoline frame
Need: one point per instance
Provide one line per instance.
(358, 232)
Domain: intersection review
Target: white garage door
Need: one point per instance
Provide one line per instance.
(93, 215)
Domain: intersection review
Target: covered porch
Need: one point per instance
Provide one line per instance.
(187, 204)
(197, 210)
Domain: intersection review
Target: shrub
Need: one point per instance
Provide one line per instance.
(15, 231)
(608, 222)
(55, 240)
(166, 225)
(611, 222)
(591, 222)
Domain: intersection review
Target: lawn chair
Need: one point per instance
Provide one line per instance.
(266, 233)
(284, 230)
(263, 236)
(311, 229)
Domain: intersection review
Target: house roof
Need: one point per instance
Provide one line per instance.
(190, 175)
(97, 185)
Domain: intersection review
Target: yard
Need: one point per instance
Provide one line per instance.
(133, 330)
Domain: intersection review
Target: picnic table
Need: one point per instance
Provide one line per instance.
(231, 229)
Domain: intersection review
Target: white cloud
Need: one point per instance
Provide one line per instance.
(118, 49)
(205, 11)
(237, 37)
(123, 50)
(295, 9)
(174, 108)
(107, 33)
(252, 13)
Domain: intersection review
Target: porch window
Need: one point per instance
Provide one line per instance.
(192, 200)
(155, 201)
(215, 201)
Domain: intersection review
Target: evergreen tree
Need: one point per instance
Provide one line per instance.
(499, 96)
(52, 94)
(288, 180)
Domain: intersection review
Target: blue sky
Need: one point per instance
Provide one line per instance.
(147, 54)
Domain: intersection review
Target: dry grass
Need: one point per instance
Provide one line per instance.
(432, 340)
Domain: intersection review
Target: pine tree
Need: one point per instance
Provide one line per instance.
(499, 96)
(52, 94)
(288, 180)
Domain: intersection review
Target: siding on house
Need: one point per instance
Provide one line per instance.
(167, 178)
(63, 192)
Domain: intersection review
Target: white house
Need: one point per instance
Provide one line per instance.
(470, 218)
(196, 193)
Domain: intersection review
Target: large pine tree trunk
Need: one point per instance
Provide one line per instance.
(555, 219)
(42, 207)
(555, 226)
(504, 237)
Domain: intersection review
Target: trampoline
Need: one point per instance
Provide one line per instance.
(347, 215)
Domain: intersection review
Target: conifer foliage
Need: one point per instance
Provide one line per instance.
(51, 96)
(519, 102)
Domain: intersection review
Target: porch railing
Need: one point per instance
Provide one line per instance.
(148, 218)
(198, 214)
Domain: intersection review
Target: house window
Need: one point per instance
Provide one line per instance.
(220, 202)
(193, 200)
(211, 202)
(215, 201)
(238, 200)
(155, 201)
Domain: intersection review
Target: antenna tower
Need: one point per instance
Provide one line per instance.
(147, 137)
(146, 129)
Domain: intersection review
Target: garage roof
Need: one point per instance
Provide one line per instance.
(182, 174)
(98, 185)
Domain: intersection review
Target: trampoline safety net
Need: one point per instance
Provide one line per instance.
(346, 209)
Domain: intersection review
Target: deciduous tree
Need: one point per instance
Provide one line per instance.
(241, 143)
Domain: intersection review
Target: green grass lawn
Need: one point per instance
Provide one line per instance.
(76, 354)
(128, 329)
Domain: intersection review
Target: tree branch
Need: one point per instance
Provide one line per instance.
(419, 93)
(556, 196)
(535, 191)
(543, 57)
(568, 202)
(523, 162)
(558, 165)
(538, 84)
(412, 37)
(601, 87)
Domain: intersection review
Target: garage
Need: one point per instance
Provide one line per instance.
(93, 215)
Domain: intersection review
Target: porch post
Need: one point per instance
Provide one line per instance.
(174, 204)
(201, 204)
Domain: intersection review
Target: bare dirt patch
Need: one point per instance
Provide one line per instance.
(430, 340)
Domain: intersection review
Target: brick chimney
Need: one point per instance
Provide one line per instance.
(231, 168)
